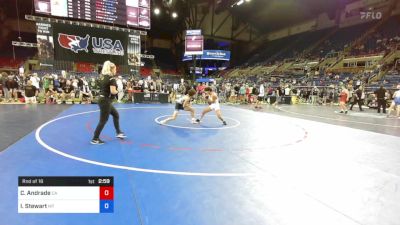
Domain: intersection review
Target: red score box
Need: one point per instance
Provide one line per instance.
(106, 193)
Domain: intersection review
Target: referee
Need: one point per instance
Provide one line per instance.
(108, 89)
(381, 97)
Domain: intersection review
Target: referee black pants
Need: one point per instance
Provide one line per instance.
(381, 102)
(106, 108)
(359, 102)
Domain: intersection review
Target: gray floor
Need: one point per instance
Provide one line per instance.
(18, 120)
(368, 120)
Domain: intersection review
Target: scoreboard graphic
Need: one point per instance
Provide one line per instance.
(65, 194)
(194, 45)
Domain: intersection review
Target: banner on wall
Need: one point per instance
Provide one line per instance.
(45, 43)
(210, 55)
(89, 44)
(134, 50)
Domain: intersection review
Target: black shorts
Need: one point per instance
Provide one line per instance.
(179, 106)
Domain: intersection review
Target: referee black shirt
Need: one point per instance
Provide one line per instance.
(104, 83)
(380, 93)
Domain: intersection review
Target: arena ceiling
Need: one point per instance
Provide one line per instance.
(267, 15)
(264, 15)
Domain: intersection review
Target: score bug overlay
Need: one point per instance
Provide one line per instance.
(65, 194)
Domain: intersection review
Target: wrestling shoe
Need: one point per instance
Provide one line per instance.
(96, 142)
(197, 120)
(224, 123)
(163, 122)
(194, 121)
(121, 135)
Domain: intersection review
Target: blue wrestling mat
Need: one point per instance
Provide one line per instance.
(174, 174)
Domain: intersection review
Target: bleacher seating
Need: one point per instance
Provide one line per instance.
(302, 42)
(84, 67)
(340, 39)
(270, 48)
(10, 63)
(292, 46)
(381, 40)
(170, 72)
(145, 71)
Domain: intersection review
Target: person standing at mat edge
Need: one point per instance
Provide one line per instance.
(381, 98)
(213, 103)
(108, 90)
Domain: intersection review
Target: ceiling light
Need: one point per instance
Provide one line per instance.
(240, 2)
(156, 11)
(174, 15)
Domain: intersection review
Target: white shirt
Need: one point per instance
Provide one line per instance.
(262, 91)
(287, 91)
(120, 85)
(35, 81)
(396, 94)
(75, 84)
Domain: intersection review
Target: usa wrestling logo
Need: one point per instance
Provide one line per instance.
(104, 46)
(74, 43)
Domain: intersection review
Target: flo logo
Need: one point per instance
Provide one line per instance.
(371, 15)
(74, 43)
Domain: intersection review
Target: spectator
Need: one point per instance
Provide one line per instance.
(2, 82)
(67, 93)
(287, 91)
(30, 93)
(314, 95)
(152, 87)
(63, 82)
(242, 93)
(260, 97)
(57, 86)
(85, 95)
(12, 88)
(46, 83)
(35, 81)
(120, 89)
